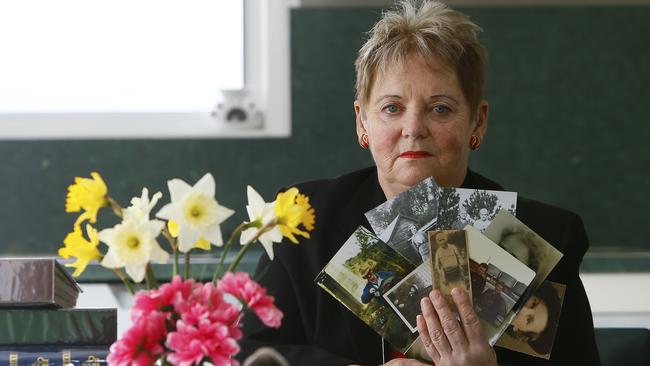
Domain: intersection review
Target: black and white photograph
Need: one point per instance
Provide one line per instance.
(524, 244)
(495, 276)
(449, 262)
(533, 330)
(458, 207)
(402, 222)
(406, 295)
(358, 276)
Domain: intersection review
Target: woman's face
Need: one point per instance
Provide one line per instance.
(515, 247)
(533, 317)
(419, 125)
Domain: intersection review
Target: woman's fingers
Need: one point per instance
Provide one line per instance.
(450, 326)
(404, 362)
(426, 339)
(434, 328)
(468, 317)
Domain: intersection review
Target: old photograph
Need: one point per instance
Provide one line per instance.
(359, 274)
(458, 207)
(449, 262)
(402, 222)
(524, 244)
(406, 295)
(497, 280)
(533, 330)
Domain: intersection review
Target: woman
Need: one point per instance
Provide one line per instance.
(419, 111)
(535, 322)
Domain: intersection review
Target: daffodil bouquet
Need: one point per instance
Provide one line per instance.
(182, 322)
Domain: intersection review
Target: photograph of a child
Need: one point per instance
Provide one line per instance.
(449, 262)
(358, 276)
(533, 330)
(402, 222)
(498, 280)
(405, 296)
(459, 207)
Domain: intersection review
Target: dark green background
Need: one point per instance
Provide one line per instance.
(567, 86)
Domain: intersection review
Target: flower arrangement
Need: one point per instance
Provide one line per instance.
(182, 322)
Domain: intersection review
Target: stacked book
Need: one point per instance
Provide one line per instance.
(38, 322)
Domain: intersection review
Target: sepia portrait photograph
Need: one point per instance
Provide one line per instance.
(402, 222)
(449, 262)
(359, 274)
(498, 280)
(532, 331)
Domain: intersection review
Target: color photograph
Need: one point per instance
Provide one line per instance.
(359, 274)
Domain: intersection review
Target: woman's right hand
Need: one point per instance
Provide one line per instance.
(449, 342)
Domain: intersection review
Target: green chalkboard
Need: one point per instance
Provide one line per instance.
(568, 89)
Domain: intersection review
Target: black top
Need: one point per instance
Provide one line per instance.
(318, 330)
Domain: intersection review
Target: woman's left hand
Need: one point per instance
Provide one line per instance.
(449, 342)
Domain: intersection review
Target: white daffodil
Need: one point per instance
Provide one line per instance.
(196, 212)
(132, 244)
(141, 206)
(262, 213)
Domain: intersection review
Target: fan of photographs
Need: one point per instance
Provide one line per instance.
(430, 237)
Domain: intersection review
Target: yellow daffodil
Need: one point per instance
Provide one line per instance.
(292, 210)
(75, 245)
(196, 212)
(173, 228)
(87, 194)
(261, 213)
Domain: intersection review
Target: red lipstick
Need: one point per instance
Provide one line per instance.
(415, 154)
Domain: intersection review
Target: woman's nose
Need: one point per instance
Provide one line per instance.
(414, 124)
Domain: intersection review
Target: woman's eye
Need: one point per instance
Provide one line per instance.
(441, 109)
(391, 108)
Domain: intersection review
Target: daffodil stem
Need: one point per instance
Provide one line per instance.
(151, 278)
(125, 280)
(235, 234)
(173, 243)
(246, 246)
(117, 209)
(239, 257)
(175, 265)
(187, 264)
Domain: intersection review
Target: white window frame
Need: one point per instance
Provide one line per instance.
(266, 79)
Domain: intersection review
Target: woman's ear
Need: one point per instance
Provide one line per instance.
(360, 120)
(480, 128)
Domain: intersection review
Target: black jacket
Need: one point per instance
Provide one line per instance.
(318, 330)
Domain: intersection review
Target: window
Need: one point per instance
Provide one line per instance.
(143, 68)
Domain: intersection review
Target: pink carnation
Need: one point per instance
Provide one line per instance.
(142, 343)
(240, 285)
(163, 298)
(208, 327)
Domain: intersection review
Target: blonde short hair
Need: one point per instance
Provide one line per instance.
(426, 29)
